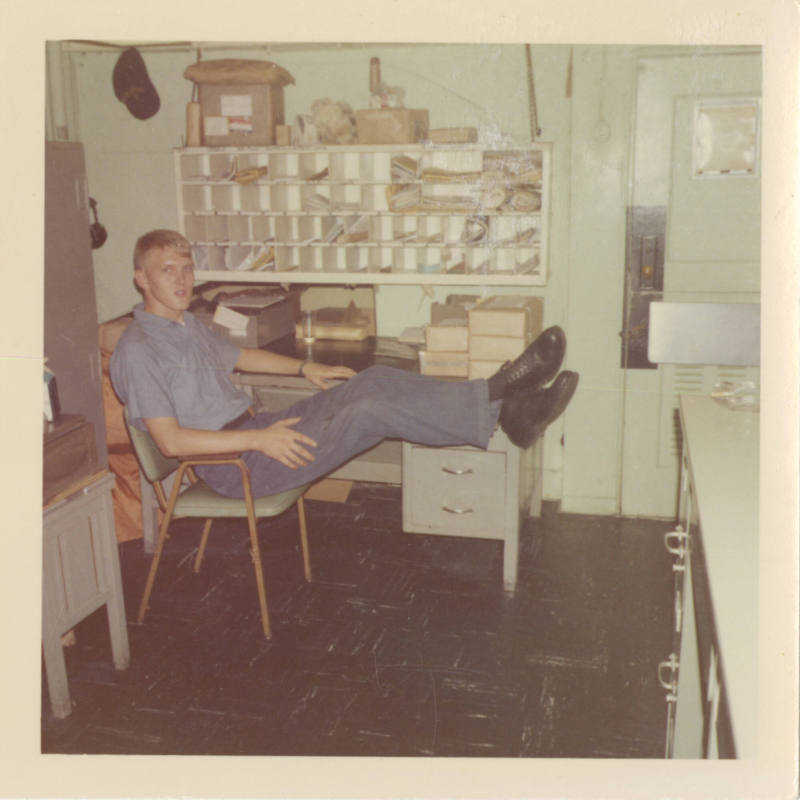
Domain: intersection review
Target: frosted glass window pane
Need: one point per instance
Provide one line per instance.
(726, 139)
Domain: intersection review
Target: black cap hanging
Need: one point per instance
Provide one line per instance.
(133, 86)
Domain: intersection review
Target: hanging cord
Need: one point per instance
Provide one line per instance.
(536, 131)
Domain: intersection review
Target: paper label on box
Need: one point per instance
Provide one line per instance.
(240, 124)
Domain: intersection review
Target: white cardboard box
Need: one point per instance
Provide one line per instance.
(497, 348)
(451, 365)
(507, 315)
(483, 369)
(449, 335)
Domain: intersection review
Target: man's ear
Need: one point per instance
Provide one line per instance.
(140, 277)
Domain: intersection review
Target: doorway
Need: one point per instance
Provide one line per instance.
(693, 234)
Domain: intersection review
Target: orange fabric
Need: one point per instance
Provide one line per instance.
(126, 495)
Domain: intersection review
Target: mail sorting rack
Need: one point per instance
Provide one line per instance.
(460, 214)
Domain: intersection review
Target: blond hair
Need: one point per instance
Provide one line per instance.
(160, 239)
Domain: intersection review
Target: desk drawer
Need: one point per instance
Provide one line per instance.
(454, 490)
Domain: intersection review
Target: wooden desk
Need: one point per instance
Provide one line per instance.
(514, 476)
(451, 491)
(81, 573)
(717, 656)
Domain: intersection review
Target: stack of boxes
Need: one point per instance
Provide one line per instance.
(500, 328)
(447, 338)
(472, 338)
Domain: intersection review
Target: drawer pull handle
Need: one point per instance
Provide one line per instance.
(672, 666)
(457, 510)
(451, 471)
(679, 537)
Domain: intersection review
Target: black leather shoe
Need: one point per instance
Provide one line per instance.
(538, 364)
(525, 414)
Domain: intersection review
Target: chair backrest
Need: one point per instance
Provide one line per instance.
(152, 462)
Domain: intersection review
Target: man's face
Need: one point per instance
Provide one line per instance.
(166, 279)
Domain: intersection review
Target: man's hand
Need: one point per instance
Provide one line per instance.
(252, 359)
(320, 374)
(281, 442)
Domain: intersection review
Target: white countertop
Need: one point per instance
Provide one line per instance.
(723, 450)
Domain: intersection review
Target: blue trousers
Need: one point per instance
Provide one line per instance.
(378, 403)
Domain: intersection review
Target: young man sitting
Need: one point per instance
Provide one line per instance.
(173, 375)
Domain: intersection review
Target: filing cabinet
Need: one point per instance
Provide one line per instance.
(710, 675)
(465, 491)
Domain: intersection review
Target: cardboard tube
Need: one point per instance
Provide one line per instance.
(194, 136)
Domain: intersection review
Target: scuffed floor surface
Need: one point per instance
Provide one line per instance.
(405, 645)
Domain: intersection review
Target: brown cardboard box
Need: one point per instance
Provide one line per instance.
(240, 114)
(448, 312)
(391, 125)
(497, 348)
(69, 453)
(264, 325)
(507, 315)
(444, 364)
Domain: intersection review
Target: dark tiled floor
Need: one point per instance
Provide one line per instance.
(403, 645)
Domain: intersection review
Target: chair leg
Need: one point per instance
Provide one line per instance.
(151, 576)
(255, 554)
(162, 538)
(301, 513)
(201, 551)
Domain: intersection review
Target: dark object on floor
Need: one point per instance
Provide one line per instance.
(404, 645)
(132, 85)
(525, 413)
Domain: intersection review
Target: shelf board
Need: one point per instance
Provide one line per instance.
(352, 278)
(425, 147)
(374, 244)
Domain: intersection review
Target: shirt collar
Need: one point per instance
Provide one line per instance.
(154, 320)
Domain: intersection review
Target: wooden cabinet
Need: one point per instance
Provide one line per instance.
(711, 674)
(464, 491)
(81, 573)
(458, 214)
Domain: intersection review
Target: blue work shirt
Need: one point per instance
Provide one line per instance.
(162, 368)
